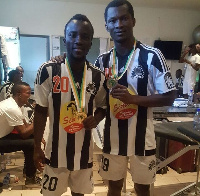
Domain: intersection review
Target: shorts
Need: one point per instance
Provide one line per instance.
(142, 168)
(56, 180)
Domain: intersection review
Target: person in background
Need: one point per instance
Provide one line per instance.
(138, 79)
(11, 117)
(4, 58)
(20, 71)
(68, 93)
(6, 89)
(179, 82)
(190, 56)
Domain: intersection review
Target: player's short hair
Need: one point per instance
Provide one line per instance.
(117, 3)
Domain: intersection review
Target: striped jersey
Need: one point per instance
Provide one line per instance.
(147, 74)
(6, 90)
(53, 90)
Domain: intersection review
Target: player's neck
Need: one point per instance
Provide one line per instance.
(76, 65)
(124, 48)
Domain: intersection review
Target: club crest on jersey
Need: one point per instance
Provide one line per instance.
(91, 89)
(137, 72)
(70, 119)
(168, 80)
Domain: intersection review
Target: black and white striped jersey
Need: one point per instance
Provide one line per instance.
(6, 90)
(53, 90)
(147, 74)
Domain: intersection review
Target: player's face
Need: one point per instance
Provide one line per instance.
(78, 39)
(120, 23)
(25, 94)
(21, 72)
(198, 48)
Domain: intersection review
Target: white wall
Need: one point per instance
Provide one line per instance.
(41, 17)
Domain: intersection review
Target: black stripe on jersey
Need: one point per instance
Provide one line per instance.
(150, 152)
(6, 85)
(56, 97)
(70, 151)
(85, 151)
(87, 138)
(123, 136)
(142, 111)
(70, 148)
(106, 59)
(140, 131)
(97, 64)
(157, 55)
(123, 124)
(44, 75)
(107, 146)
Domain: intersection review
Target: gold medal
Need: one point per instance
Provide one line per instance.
(111, 82)
(81, 116)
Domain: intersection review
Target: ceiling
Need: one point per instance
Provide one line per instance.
(174, 4)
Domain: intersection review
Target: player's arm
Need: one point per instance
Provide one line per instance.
(25, 130)
(182, 58)
(39, 127)
(157, 100)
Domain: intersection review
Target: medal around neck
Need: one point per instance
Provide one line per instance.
(70, 119)
(73, 113)
(112, 72)
(111, 82)
(81, 116)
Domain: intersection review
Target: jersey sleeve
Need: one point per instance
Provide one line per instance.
(42, 86)
(160, 74)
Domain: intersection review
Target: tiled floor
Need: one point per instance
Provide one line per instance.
(165, 184)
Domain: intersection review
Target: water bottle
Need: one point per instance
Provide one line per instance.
(2, 162)
(190, 98)
(196, 121)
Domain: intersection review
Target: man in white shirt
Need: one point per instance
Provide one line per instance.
(11, 117)
(10, 112)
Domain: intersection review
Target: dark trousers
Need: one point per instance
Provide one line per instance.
(13, 143)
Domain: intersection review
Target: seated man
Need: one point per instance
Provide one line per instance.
(11, 117)
(6, 89)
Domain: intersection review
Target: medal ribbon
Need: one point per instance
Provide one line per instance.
(80, 100)
(127, 62)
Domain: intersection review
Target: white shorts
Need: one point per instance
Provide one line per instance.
(56, 180)
(142, 169)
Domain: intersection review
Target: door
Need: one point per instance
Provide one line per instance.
(34, 52)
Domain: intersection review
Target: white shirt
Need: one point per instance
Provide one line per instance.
(10, 116)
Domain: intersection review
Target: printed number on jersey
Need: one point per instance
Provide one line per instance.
(60, 84)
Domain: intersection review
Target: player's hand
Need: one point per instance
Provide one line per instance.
(121, 92)
(89, 122)
(39, 158)
(59, 59)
